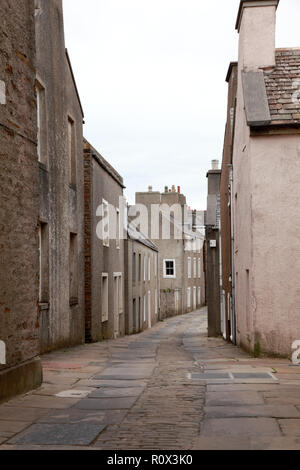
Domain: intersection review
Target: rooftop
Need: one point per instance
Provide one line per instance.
(283, 87)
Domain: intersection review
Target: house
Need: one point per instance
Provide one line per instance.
(61, 228)
(265, 185)
(226, 194)
(20, 366)
(141, 282)
(180, 249)
(104, 248)
(213, 251)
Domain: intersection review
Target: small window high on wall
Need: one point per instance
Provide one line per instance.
(72, 151)
(73, 269)
(169, 268)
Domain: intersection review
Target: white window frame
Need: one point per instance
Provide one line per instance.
(155, 265)
(104, 315)
(190, 268)
(144, 309)
(118, 229)
(105, 236)
(195, 268)
(188, 302)
(199, 295)
(145, 268)
(119, 278)
(199, 268)
(168, 276)
(156, 302)
(149, 268)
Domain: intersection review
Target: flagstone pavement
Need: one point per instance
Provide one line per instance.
(168, 388)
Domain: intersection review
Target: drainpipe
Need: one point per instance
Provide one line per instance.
(233, 326)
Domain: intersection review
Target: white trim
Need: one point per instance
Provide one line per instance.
(166, 276)
(105, 240)
(104, 318)
(189, 268)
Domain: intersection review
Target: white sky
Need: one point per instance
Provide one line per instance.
(151, 77)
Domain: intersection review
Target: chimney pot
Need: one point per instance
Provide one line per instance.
(166, 189)
(150, 189)
(179, 190)
(215, 164)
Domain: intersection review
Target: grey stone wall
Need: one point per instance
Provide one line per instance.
(19, 201)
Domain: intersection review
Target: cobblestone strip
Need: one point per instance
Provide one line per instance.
(168, 413)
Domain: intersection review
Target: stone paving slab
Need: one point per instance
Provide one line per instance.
(290, 427)
(106, 403)
(263, 387)
(235, 443)
(282, 411)
(59, 434)
(233, 398)
(38, 401)
(240, 427)
(97, 383)
(18, 413)
(116, 392)
(12, 427)
(75, 416)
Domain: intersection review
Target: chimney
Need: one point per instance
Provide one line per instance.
(173, 189)
(179, 189)
(215, 164)
(256, 23)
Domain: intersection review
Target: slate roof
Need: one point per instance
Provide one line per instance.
(141, 238)
(283, 87)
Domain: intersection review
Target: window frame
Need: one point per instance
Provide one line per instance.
(169, 276)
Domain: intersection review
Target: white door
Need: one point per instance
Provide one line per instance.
(116, 307)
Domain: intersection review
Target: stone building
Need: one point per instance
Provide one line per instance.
(266, 190)
(226, 194)
(180, 255)
(104, 248)
(20, 368)
(213, 251)
(141, 283)
(61, 231)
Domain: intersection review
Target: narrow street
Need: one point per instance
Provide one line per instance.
(167, 388)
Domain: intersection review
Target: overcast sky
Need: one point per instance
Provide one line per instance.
(151, 77)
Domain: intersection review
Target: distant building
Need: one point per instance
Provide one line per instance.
(20, 366)
(104, 249)
(180, 251)
(141, 283)
(61, 230)
(265, 185)
(213, 250)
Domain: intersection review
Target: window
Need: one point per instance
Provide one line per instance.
(41, 123)
(105, 226)
(134, 267)
(140, 267)
(44, 263)
(199, 295)
(149, 309)
(120, 293)
(144, 308)
(149, 269)
(118, 229)
(199, 268)
(73, 269)
(195, 268)
(104, 295)
(169, 268)
(188, 297)
(71, 151)
(189, 268)
(155, 265)
(145, 268)
(194, 298)
(156, 302)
